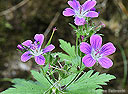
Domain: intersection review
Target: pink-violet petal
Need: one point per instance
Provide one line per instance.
(68, 12)
(40, 60)
(89, 4)
(48, 48)
(26, 56)
(105, 62)
(79, 21)
(96, 41)
(27, 43)
(107, 49)
(88, 60)
(85, 48)
(91, 14)
(39, 38)
(74, 4)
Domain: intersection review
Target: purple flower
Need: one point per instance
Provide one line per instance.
(80, 12)
(34, 49)
(96, 53)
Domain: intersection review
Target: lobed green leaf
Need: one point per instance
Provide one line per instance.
(22, 86)
(89, 84)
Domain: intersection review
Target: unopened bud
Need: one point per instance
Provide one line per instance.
(102, 24)
(82, 37)
(20, 47)
(54, 29)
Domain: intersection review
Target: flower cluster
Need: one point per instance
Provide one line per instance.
(80, 12)
(34, 49)
(60, 71)
(94, 52)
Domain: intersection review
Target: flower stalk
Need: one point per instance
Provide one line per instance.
(44, 74)
(54, 29)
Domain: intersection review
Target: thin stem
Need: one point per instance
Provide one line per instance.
(45, 75)
(57, 68)
(52, 75)
(71, 81)
(81, 60)
(76, 44)
(53, 78)
(51, 38)
(60, 64)
(125, 65)
(50, 87)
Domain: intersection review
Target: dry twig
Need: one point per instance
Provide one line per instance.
(122, 7)
(51, 24)
(5, 12)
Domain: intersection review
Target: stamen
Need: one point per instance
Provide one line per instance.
(80, 9)
(97, 52)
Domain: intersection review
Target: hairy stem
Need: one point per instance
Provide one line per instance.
(50, 38)
(76, 45)
(46, 76)
(71, 81)
(53, 78)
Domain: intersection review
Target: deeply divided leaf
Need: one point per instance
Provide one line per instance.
(89, 84)
(22, 86)
(70, 50)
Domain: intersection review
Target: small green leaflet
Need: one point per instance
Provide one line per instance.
(73, 26)
(41, 79)
(70, 50)
(89, 84)
(29, 87)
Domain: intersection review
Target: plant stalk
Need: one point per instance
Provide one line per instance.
(51, 37)
(71, 81)
(46, 76)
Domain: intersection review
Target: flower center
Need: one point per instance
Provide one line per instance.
(96, 54)
(80, 12)
(35, 50)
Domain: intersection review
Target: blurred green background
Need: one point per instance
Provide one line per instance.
(22, 19)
